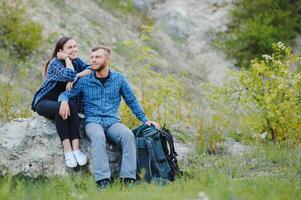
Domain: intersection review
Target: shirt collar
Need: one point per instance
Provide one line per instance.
(111, 74)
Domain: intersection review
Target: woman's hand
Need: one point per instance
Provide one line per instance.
(61, 55)
(64, 110)
(69, 85)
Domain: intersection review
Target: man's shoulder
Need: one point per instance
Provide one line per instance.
(117, 75)
(86, 78)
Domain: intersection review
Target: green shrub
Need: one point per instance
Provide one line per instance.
(257, 24)
(19, 38)
(275, 91)
(264, 100)
(19, 34)
(11, 103)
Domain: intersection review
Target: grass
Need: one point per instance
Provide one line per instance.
(267, 171)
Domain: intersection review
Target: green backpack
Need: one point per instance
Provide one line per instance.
(156, 155)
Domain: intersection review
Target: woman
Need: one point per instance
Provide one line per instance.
(59, 73)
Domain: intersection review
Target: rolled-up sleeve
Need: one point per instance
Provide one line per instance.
(64, 73)
(76, 90)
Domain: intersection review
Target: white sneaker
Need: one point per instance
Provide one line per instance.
(70, 160)
(80, 157)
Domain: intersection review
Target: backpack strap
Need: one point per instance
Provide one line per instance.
(165, 133)
(171, 153)
(158, 157)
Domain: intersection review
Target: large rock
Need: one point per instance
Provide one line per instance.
(31, 147)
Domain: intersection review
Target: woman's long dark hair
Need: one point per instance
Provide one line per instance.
(59, 46)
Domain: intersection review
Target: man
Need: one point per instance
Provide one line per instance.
(102, 91)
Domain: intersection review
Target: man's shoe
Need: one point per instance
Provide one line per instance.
(127, 181)
(70, 160)
(103, 183)
(80, 157)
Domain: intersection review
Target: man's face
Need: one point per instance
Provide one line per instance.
(70, 49)
(99, 60)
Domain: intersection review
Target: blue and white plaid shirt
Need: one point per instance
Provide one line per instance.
(101, 102)
(57, 71)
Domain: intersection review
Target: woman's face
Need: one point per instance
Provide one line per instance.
(70, 49)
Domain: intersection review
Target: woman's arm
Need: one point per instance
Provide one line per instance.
(78, 75)
(83, 73)
(65, 74)
(62, 56)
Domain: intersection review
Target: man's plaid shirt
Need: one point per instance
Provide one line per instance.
(57, 71)
(101, 102)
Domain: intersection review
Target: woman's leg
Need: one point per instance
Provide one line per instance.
(75, 144)
(50, 109)
(73, 123)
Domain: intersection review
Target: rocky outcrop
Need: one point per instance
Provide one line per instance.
(31, 147)
(188, 27)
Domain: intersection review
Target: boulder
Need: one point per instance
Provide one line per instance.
(31, 147)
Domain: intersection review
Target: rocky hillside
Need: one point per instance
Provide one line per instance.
(186, 27)
(181, 37)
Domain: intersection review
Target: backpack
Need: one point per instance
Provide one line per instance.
(156, 155)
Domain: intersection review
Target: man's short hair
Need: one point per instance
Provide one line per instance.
(108, 50)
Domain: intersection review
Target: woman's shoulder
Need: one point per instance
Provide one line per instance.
(55, 62)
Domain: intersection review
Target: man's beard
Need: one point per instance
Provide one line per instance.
(100, 67)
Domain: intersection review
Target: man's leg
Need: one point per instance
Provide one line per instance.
(101, 167)
(120, 134)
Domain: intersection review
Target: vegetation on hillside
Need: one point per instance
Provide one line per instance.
(263, 101)
(158, 93)
(255, 25)
(259, 106)
(19, 38)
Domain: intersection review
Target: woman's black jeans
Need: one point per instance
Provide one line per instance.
(68, 128)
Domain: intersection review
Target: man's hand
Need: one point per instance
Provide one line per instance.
(153, 123)
(64, 110)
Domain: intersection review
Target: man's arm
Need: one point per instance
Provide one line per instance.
(131, 100)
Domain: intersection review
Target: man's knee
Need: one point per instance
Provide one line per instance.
(95, 133)
(127, 135)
